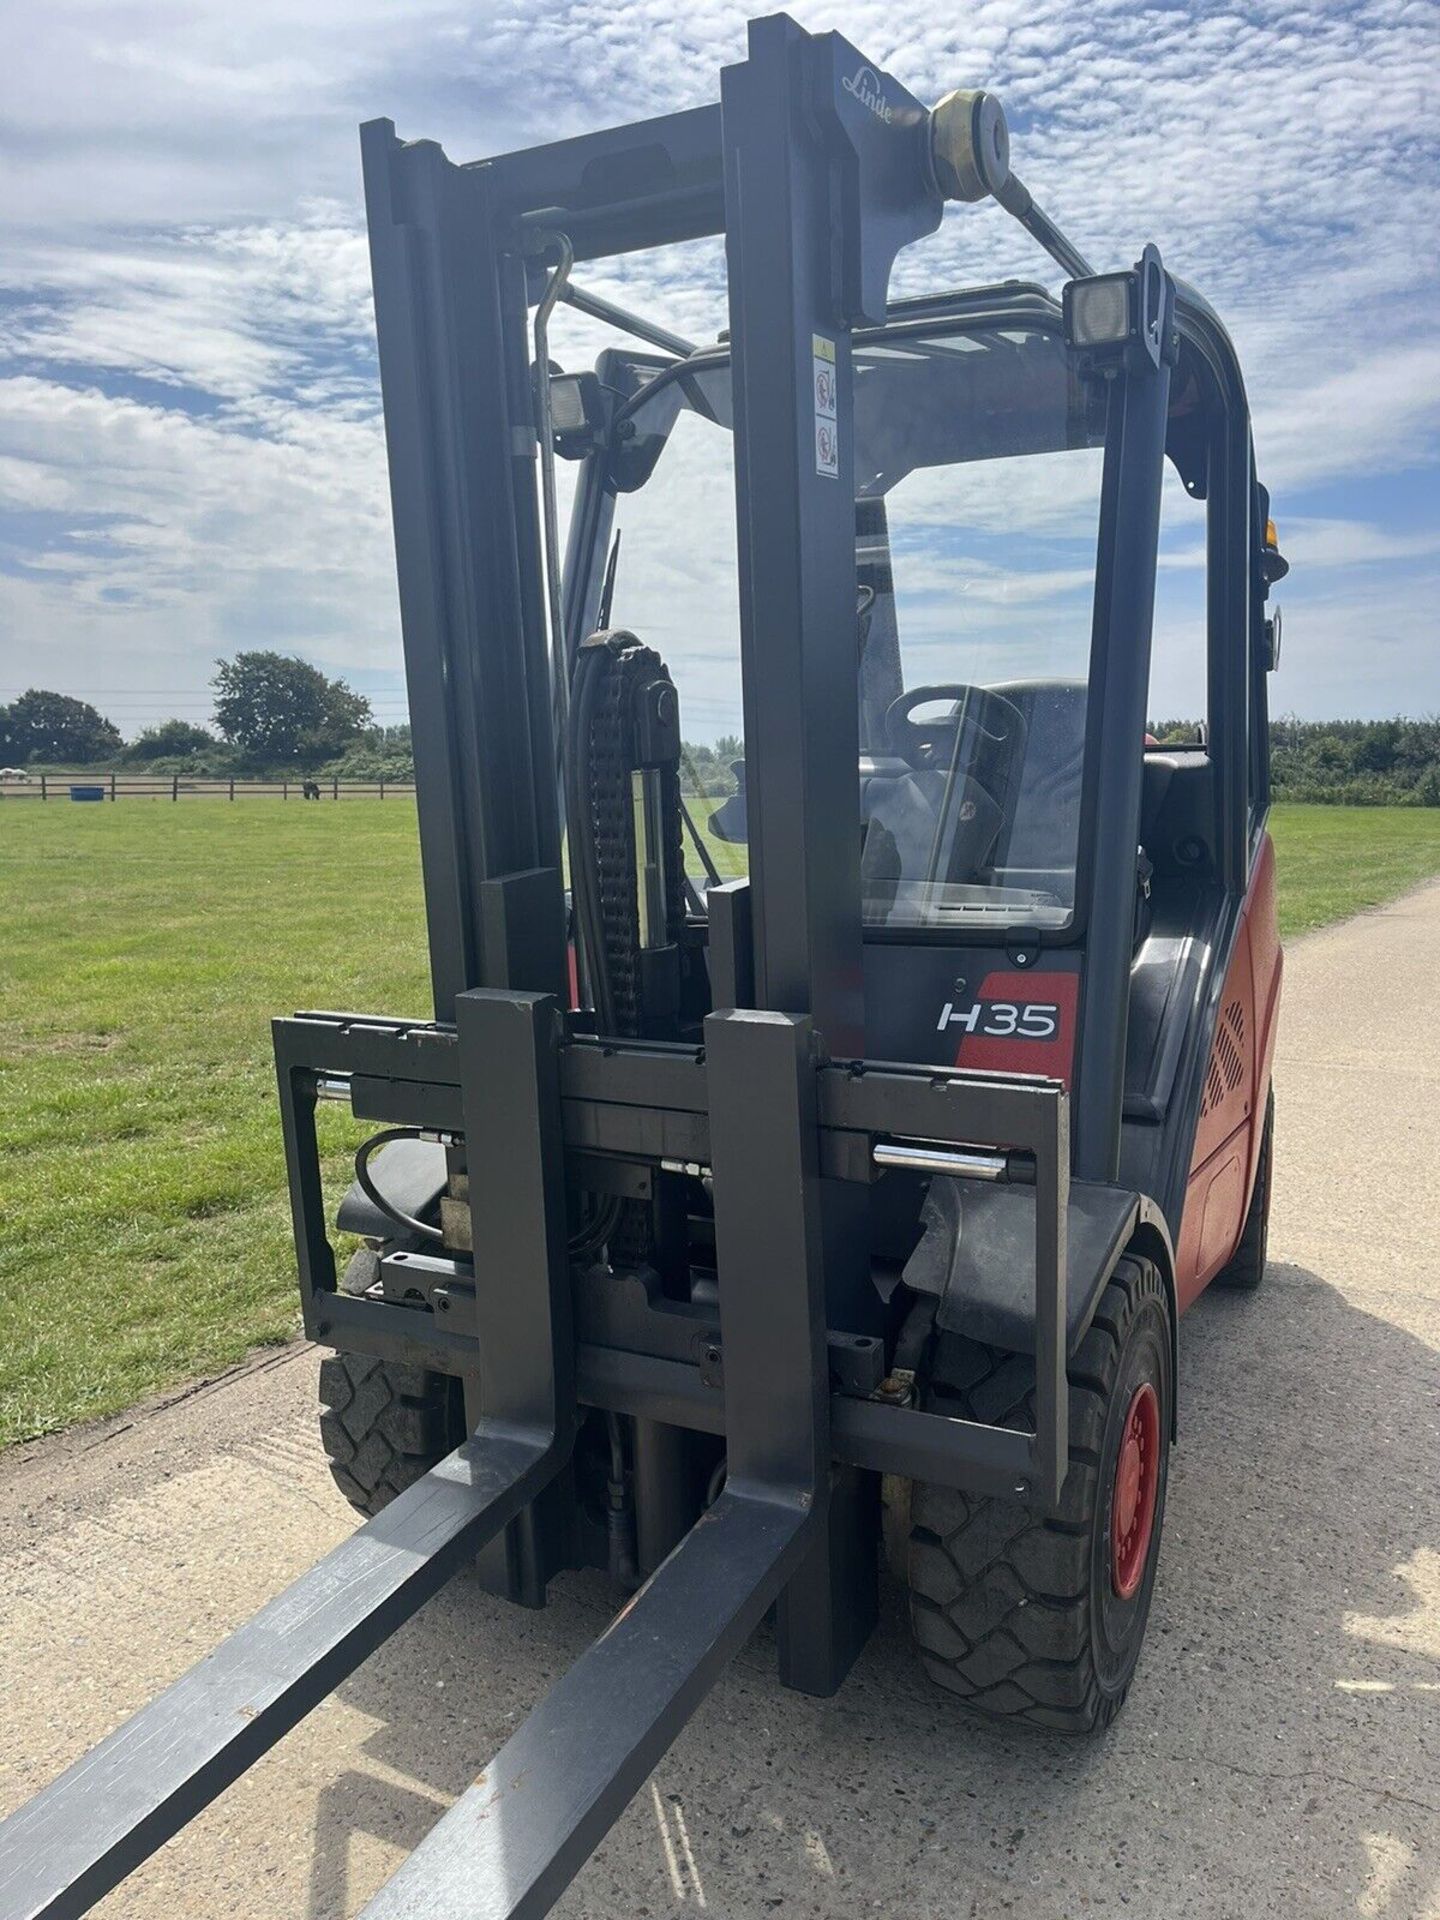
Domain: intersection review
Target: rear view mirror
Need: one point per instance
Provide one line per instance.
(729, 821)
(1272, 642)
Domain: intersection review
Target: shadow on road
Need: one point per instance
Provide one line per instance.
(1277, 1755)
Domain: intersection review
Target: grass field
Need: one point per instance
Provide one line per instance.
(1334, 861)
(144, 1233)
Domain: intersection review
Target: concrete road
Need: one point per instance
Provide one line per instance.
(1280, 1752)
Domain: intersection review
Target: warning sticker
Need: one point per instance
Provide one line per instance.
(827, 439)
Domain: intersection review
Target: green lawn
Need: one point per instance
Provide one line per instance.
(1334, 861)
(144, 1233)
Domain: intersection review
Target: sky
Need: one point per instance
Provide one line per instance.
(191, 443)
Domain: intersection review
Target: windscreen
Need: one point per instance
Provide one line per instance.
(977, 490)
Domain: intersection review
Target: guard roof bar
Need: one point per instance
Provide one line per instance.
(599, 308)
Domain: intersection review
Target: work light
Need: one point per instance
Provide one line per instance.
(1113, 314)
(577, 413)
(1097, 312)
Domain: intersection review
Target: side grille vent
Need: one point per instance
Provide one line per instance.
(1227, 1062)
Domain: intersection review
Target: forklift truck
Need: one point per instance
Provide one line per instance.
(716, 1210)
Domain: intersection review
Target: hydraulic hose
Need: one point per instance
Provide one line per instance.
(619, 1513)
(373, 1194)
(589, 1240)
(545, 426)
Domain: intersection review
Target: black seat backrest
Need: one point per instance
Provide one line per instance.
(1177, 812)
(1044, 826)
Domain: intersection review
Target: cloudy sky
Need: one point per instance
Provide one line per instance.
(191, 451)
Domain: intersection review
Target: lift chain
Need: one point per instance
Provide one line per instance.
(612, 799)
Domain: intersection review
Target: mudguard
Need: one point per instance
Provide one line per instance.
(976, 1256)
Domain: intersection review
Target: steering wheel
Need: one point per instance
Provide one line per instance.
(981, 729)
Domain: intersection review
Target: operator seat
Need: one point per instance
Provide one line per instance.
(1042, 833)
(1042, 836)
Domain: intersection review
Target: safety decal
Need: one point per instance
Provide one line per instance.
(827, 437)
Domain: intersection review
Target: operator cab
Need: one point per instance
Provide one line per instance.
(984, 546)
(978, 459)
(979, 463)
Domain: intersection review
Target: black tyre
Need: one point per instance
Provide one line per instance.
(1041, 1620)
(1247, 1266)
(383, 1425)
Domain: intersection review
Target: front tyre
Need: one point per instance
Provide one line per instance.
(384, 1423)
(1041, 1619)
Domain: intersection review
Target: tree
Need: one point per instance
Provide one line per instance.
(276, 707)
(346, 717)
(172, 739)
(43, 726)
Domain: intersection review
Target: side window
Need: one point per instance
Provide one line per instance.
(1178, 706)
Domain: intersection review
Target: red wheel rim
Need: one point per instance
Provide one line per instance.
(1137, 1481)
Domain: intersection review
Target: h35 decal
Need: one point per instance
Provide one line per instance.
(1018, 1022)
(1003, 1019)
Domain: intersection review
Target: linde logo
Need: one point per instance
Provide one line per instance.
(865, 86)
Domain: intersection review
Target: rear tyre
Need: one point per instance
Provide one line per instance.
(1041, 1620)
(1247, 1267)
(383, 1425)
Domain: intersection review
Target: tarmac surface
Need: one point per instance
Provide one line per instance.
(1280, 1753)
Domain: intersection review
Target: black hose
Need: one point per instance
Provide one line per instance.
(619, 1513)
(589, 1240)
(592, 1237)
(373, 1194)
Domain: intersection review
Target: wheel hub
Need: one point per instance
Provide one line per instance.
(1137, 1480)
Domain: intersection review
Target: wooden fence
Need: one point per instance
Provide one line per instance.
(112, 786)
